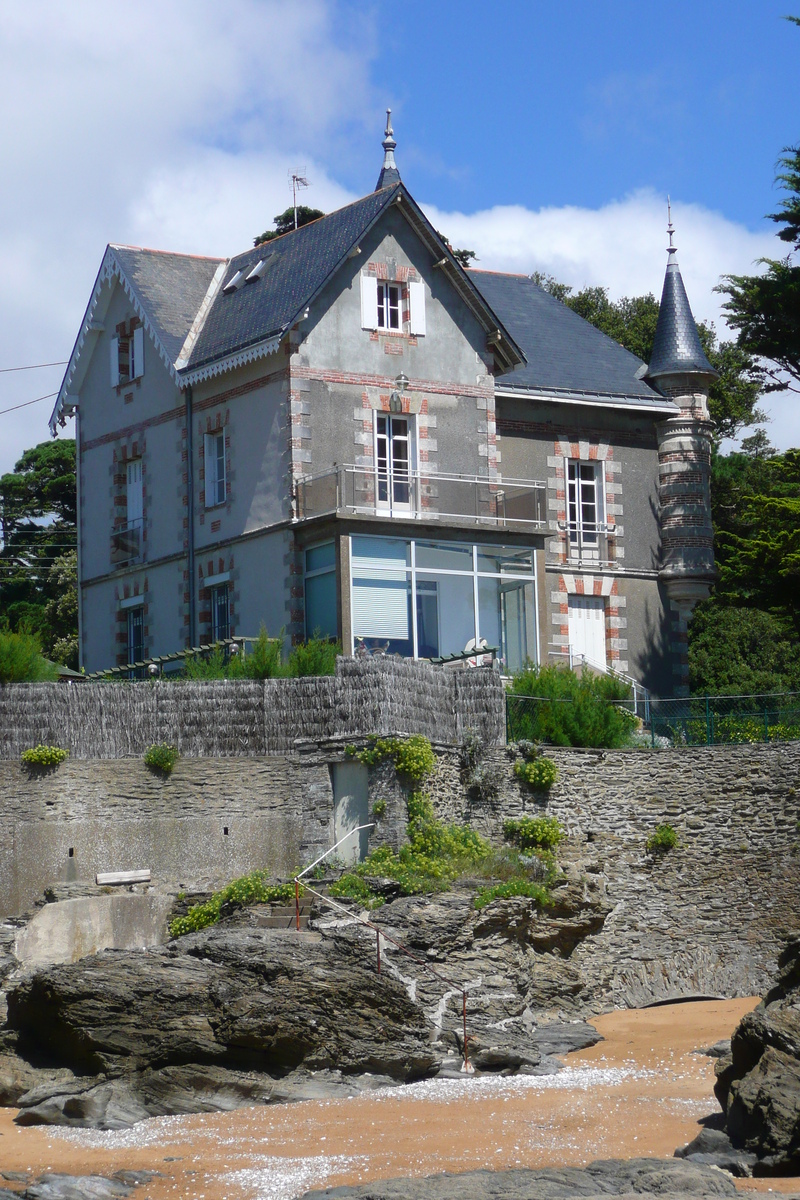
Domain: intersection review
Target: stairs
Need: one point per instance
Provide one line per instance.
(282, 916)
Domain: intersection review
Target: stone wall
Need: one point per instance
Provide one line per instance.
(706, 918)
(235, 718)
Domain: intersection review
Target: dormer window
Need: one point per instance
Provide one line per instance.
(388, 306)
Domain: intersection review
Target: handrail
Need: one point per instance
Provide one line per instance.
(361, 919)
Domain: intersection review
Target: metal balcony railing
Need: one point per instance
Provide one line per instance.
(366, 491)
(583, 545)
(127, 543)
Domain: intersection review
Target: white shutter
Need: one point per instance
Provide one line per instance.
(210, 467)
(113, 346)
(380, 590)
(416, 299)
(138, 352)
(369, 302)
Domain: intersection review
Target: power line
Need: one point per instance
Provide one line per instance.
(14, 407)
(33, 367)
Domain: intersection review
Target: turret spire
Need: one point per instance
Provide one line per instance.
(389, 173)
(677, 350)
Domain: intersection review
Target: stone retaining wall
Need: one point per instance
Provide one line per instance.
(707, 918)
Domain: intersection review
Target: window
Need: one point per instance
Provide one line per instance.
(220, 613)
(431, 599)
(127, 538)
(215, 478)
(388, 306)
(322, 610)
(127, 357)
(394, 460)
(136, 641)
(585, 505)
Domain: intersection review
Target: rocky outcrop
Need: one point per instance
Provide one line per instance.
(758, 1083)
(241, 1014)
(613, 1177)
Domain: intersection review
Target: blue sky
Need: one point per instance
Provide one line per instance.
(543, 135)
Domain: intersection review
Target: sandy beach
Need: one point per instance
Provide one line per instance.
(642, 1091)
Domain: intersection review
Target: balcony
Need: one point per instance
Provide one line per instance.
(586, 545)
(416, 495)
(127, 544)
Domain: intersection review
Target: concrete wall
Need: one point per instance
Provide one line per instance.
(707, 918)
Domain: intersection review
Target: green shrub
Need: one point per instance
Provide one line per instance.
(242, 892)
(565, 709)
(412, 756)
(44, 756)
(513, 887)
(317, 656)
(161, 757)
(379, 808)
(664, 838)
(262, 658)
(541, 773)
(21, 659)
(534, 833)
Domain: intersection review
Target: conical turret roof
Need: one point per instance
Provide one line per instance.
(677, 349)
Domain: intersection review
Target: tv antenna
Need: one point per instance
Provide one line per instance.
(299, 180)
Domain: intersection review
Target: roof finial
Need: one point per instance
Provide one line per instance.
(671, 248)
(389, 173)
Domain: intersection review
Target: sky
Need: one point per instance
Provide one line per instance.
(543, 136)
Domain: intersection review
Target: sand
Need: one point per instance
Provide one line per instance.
(642, 1091)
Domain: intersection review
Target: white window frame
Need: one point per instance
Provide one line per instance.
(216, 486)
(583, 536)
(398, 486)
(390, 305)
(131, 347)
(218, 590)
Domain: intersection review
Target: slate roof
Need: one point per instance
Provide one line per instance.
(300, 263)
(677, 349)
(170, 288)
(566, 355)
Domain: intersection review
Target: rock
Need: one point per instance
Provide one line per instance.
(714, 1148)
(614, 1177)
(77, 1187)
(720, 1049)
(562, 1037)
(18, 1077)
(233, 996)
(758, 1084)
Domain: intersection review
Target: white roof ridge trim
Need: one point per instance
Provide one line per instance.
(202, 313)
(595, 399)
(110, 268)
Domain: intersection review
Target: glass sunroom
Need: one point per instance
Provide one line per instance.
(427, 599)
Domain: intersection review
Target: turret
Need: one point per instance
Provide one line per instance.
(680, 370)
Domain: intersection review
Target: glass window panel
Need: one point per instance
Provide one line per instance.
(321, 606)
(457, 606)
(444, 556)
(517, 621)
(505, 560)
(318, 557)
(382, 614)
(383, 557)
(427, 618)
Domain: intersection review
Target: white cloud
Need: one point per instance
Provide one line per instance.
(622, 246)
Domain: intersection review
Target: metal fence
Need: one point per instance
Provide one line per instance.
(687, 721)
(725, 720)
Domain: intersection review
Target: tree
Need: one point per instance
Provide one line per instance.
(61, 610)
(631, 321)
(284, 222)
(463, 257)
(38, 527)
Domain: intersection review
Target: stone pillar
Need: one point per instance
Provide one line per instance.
(687, 536)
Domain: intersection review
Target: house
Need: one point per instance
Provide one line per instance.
(342, 431)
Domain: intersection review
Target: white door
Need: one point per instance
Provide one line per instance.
(394, 458)
(587, 629)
